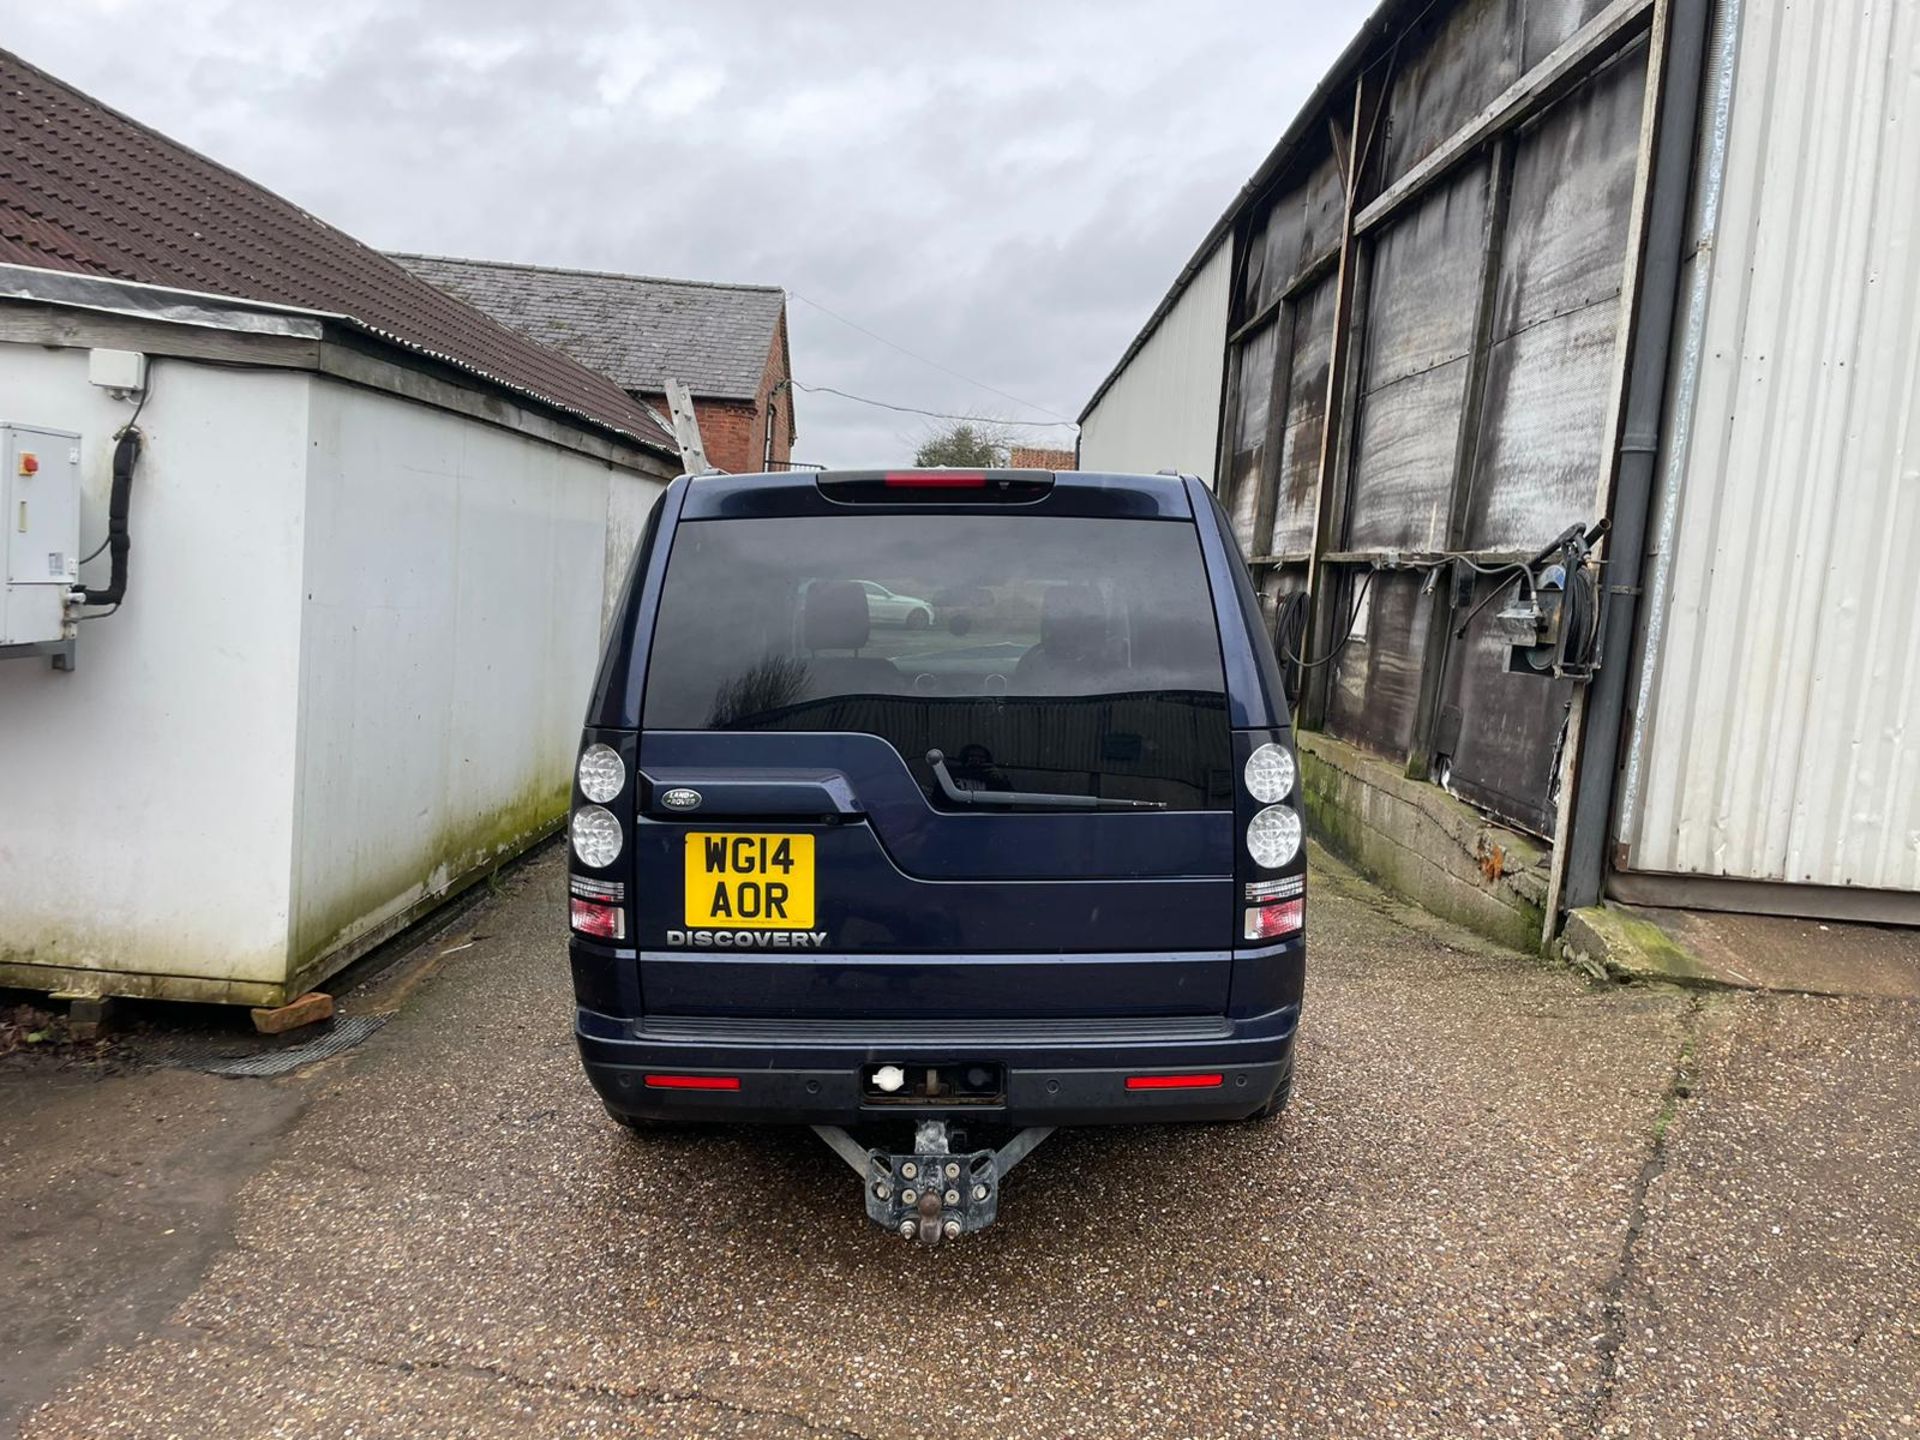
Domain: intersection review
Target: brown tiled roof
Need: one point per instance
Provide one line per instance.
(84, 188)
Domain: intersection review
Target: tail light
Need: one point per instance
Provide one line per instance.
(1271, 865)
(599, 919)
(597, 836)
(1274, 921)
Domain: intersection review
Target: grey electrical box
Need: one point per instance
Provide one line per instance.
(40, 510)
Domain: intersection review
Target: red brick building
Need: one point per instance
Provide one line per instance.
(1039, 457)
(728, 343)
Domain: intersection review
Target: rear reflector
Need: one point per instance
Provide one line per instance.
(693, 1082)
(1270, 922)
(1175, 1082)
(590, 917)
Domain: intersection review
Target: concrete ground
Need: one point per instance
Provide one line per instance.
(1504, 1203)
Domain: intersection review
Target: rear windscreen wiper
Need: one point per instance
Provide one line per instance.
(1024, 799)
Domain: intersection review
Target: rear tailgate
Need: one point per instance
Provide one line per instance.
(813, 643)
(879, 905)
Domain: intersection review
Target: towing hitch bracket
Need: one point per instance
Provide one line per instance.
(932, 1193)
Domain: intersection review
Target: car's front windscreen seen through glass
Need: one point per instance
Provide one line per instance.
(1056, 654)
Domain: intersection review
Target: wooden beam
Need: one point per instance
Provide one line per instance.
(1307, 276)
(1368, 95)
(36, 323)
(1535, 90)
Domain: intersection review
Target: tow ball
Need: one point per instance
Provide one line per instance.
(932, 1193)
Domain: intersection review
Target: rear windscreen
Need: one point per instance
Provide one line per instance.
(1054, 654)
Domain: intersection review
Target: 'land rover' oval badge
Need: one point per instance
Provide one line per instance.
(680, 798)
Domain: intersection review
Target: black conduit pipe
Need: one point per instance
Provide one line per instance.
(125, 455)
(1601, 728)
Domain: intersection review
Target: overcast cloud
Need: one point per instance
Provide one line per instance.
(1005, 189)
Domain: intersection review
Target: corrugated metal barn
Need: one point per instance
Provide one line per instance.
(1528, 266)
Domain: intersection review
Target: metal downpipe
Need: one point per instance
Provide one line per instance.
(1658, 303)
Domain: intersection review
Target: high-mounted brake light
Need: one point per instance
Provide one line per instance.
(934, 487)
(693, 1082)
(1175, 1082)
(936, 480)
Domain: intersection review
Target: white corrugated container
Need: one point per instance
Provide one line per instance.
(1161, 409)
(1777, 726)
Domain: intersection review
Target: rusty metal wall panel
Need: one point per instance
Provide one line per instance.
(1426, 268)
(1451, 67)
(1556, 326)
(1557, 314)
(1566, 232)
(1293, 515)
(1419, 330)
(1552, 22)
(1305, 225)
(1500, 734)
(1404, 451)
(1325, 199)
(1290, 231)
(1776, 735)
(1253, 401)
(1278, 236)
(1543, 432)
(1376, 678)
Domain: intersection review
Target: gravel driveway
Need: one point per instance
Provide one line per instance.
(1503, 1203)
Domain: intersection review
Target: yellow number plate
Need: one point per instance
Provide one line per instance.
(750, 882)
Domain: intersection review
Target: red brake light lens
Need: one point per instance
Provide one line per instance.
(1271, 922)
(936, 480)
(591, 917)
(1175, 1082)
(693, 1082)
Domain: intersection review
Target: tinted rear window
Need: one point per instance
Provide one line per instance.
(1044, 653)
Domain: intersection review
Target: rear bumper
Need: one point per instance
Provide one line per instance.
(1058, 1072)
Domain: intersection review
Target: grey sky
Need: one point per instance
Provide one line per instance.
(1005, 189)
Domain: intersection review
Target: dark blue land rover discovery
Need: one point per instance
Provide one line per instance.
(939, 796)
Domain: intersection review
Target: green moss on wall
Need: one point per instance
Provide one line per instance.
(328, 936)
(1420, 843)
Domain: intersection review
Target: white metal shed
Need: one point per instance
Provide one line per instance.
(365, 603)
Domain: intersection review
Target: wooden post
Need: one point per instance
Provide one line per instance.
(1368, 98)
(1433, 664)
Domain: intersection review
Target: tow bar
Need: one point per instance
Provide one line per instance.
(932, 1194)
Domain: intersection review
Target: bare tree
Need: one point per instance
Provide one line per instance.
(967, 444)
